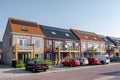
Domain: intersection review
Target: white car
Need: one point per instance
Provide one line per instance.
(83, 61)
(104, 59)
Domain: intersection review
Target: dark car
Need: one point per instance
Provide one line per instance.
(115, 59)
(36, 66)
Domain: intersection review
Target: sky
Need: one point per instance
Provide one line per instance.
(98, 16)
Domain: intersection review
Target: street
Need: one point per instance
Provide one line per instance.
(98, 72)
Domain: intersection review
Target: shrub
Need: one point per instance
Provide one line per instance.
(20, 64)
(29, 59)
(48, 62)
(36, 58)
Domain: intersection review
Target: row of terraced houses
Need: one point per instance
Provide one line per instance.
(26, 39)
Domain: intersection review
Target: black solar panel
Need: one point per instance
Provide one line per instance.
(86, 33)
(24, 23)
(55, 29)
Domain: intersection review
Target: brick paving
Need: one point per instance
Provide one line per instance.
(66, 72)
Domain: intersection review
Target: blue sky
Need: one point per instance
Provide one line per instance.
(99, 16)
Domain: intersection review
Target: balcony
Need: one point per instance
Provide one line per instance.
(24, 48)
(63, 49)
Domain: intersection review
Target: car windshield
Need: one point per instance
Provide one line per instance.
(85, 59)
(40, 62)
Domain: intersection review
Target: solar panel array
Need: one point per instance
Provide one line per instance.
(24, 23)
(86, 33)
(55, 29)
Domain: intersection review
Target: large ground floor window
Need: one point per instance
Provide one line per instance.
(49, 56)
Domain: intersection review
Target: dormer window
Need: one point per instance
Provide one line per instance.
(86, 37)
(53, 33)
(67, 34)
(105, 39)
(95, 38)
(24, 29)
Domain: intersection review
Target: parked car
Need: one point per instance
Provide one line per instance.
(93, 61)
(83, 61)
(104, 59)
(115, 59)
(35, 65)
(71, 62)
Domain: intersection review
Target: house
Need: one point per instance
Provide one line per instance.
(116, 46)
(91, 43)
(60, 44)
(22, 40)
(0, 51)
(108, 44)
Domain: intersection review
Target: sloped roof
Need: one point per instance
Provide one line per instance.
(23, 26)
(58, 33)
(115, 40)
(84, 35)
(105, 39)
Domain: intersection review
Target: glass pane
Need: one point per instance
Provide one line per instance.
(26, 42)
(37, 43)
(20, 42)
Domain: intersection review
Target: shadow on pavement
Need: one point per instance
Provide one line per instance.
(115, 73)
(4, 66)
(16, 71)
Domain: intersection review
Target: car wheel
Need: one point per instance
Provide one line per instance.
(102, 62)
(33, 70)
(44, 69)
(26, 69)
(71, 65)
(64, 65)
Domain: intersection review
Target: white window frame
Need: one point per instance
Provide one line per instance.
(57, 43)
(49, 56)
(37, 44)
(49, 43)
(23, 42)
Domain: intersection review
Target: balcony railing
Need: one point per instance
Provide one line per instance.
(62, 49)
(24, 48)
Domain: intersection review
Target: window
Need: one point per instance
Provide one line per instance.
(36, 42)
(67, 34)
(95, 38)
(69, 43)
(86, 37)
(90, 45)
(49, 43)
(23, 42)
(49, 56)
(24, 29)
(57, 43)
(53, 33)
(76, 45)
